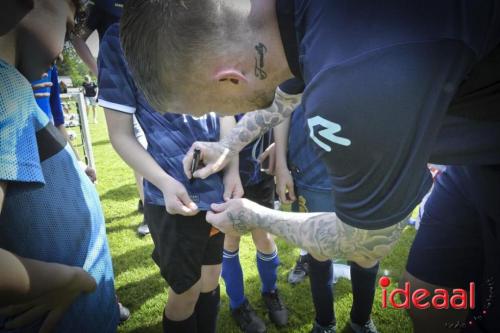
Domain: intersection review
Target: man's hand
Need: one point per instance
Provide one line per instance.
(232, 217)
(214, 155)
(233, 189)
(284, 185)
(177, 200)
(71, 283)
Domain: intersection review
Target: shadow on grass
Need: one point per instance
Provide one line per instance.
(100, 143)
(119, 217)
(135, 294)
(139, 257)
(121, 193)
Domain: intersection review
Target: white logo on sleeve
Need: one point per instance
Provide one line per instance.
(328, 133)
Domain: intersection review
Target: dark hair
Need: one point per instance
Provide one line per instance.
(163, 41)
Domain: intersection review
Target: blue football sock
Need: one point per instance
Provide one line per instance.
(233, 277)
(267, 264)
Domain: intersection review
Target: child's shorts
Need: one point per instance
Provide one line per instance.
(182, 246)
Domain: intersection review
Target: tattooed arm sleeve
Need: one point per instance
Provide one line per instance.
(256, 123)
(322, 234)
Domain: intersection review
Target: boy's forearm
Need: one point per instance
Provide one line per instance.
(281, 142)
(84, 53)
(124, 142)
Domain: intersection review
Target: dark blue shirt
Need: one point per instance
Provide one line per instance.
(379, 79)
(250, 167)
(308, 170)
(102, 14)
(169, 135)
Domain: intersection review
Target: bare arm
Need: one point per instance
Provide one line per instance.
(83, 51)
(284, 180)
(121, 134)
(47, 286)
(322, 234)
(254, 124)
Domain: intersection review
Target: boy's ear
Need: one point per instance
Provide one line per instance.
(12, 12)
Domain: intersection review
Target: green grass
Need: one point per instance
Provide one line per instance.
(141, 288)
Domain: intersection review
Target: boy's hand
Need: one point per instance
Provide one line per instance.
(52, 305)
(233, 189)
(284, 185)
(214, 156)
(177, 200)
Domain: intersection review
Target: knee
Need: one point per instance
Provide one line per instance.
(263, 241)
(231, 243)
(210, 277)
(181, 306)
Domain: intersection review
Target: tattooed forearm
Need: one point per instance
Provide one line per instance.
(255, 124)
(324, 234)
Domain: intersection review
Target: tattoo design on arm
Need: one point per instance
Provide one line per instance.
(260, 73)
(257, 123)
(322, 234)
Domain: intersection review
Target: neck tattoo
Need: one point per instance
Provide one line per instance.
(260, 73)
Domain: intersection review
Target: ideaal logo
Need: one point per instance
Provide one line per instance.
(419, 298)
(459, 299)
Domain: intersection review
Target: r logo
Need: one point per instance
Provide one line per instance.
(328, 133)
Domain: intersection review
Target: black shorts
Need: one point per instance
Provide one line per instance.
(458, 239)
(262, 192)
(182, 245)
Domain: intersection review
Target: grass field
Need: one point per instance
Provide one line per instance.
(141, 288)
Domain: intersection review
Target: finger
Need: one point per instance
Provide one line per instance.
(219, 207)
(204, 172)
(282, 194)
(291, 191)
(187, 160)
(239, 192)
(26, 318)
(50, 322)
(187, 202)
(214, 219)
(13, 310)
(228, 192)
(221, 161)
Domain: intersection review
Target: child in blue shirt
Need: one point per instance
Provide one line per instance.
(66, 264)
(304, 175)
(258, 187)
(187, 250)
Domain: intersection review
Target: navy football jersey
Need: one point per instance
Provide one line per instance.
(169, 135)
(379, 80)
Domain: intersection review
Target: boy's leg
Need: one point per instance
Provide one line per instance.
(179, 315)
(207, 307)
(267, 254)
(232, 273)
(182, 245)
